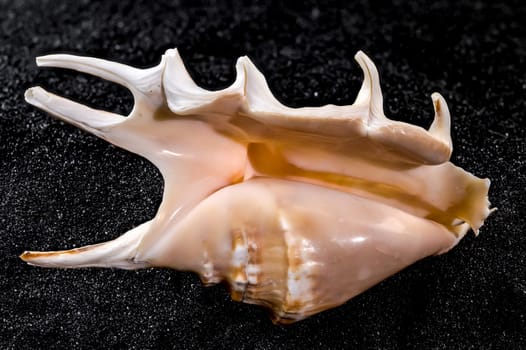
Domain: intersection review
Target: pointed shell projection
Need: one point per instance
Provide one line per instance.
(297, 209)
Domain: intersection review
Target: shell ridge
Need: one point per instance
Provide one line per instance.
(255, 100)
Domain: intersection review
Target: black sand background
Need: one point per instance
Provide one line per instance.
(60, 187)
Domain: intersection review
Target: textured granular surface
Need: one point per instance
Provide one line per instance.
(61, 187)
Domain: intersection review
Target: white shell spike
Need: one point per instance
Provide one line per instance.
(298, 209)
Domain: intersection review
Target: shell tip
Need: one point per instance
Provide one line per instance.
(441, 126)
(172, 52)
(26, 256)
(31, 257)
(41, 61)
(360, 55)
(36, 95)
(370, 93)
(29, 95)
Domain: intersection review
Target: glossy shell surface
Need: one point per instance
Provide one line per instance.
(298, 209)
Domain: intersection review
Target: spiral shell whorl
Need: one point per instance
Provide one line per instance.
(271, 269)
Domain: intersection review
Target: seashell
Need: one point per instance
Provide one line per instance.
(298, 209)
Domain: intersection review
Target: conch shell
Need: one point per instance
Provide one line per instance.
(298, 209)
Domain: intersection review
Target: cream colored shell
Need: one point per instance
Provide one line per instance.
(298, 209)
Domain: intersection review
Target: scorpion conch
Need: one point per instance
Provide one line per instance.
(297, 209)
